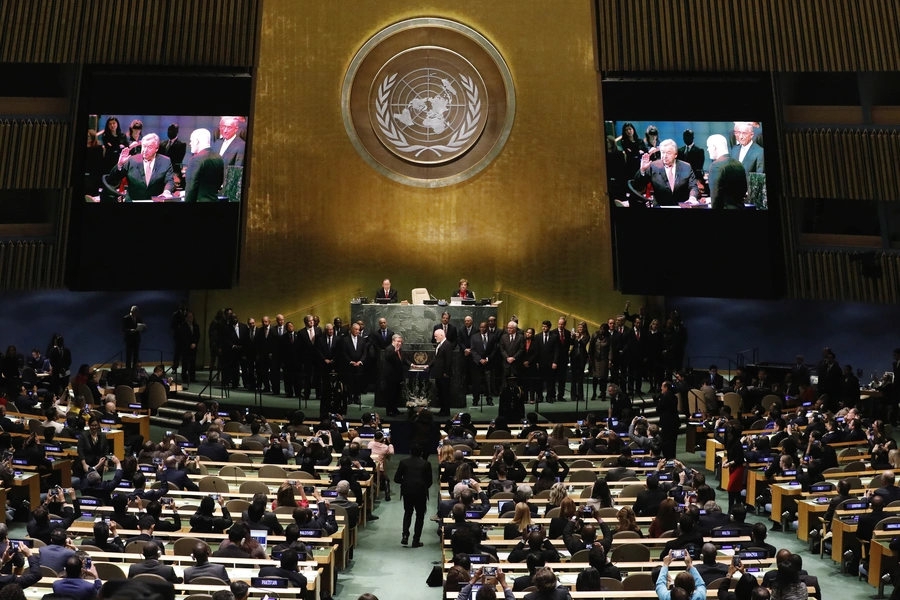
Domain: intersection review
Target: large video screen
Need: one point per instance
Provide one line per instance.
(686, 164)
(164, 158)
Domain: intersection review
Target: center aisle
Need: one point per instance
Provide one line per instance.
(383, 567)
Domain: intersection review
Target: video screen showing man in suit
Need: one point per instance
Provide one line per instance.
(669, 175)
(185, 158)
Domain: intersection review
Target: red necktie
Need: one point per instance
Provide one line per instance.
(562, 337)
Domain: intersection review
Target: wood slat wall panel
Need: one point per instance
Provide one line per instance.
(31, 154)
(857, 165)
(200, 32)
(837, 275)
(755, 35)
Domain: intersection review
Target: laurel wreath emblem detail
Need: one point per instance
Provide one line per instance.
(460, 137)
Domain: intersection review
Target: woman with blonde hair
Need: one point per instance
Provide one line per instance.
(557, 495)
(558, 436)
(519, 524)
(628, 521)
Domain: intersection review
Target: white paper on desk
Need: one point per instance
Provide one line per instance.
(503, 556)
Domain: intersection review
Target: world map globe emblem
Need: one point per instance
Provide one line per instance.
(428, 105)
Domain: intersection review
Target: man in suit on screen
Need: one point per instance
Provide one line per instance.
(149, 174)
(727, 177)
(692, 154)
(749, 153)
(230, 146)
(205, 171)
(673, 180)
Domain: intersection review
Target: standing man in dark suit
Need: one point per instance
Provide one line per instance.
(414, 477)
(463, 291)
(386, 292)
(497, 369)
(800, 372)
(148, 174)
(620, 349)
(277, 366)
(395, 369)
(548, 352)
(727, 177)
(151, 565)
(464, 343)
(205, 172)
(440, 370)
(235, 340)
(562, 357)
(175, 149)
(669, 420)
(248, 355)
(230, 146)
(379, 342)
(637, 357)
(748, 153)
(187, 339)
(266, 352)
(132, 326)
(481, 346)
(354, 361)
(290, 360)
(448, 328)
(309, 357)
(512, 350)
(673, 180)
(329, 348)
(174, 323)
(691, 154)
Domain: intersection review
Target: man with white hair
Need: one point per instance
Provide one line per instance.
(727, 177)
(149, 174)
(672, 180)
(439, 371)
(343, 488)
(230, 146)
(746, 151)
(205, 172)
(512, 349)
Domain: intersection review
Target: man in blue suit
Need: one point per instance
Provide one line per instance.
(673, 180)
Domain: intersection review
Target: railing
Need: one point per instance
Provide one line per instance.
(719, 361)
(742, 357)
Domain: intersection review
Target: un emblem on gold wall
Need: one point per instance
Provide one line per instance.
(428, 102)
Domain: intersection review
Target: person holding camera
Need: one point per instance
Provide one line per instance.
(204, 521)
(486, 592)
(689, 581)
(280, 450)
(94, 485)
(548, 468)
(40, 527)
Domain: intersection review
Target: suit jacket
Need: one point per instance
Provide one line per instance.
(267, 347)
(234, 154)
(464, 338)
(241, 338)
(480, 349)
(296, 579)
(204, 177)
(351, 354)
(451, 333)
(213, 451)
(391, 293)
(685, 183)
(414, 476)
(381, 340)
(622, 345)
(514, 348)
(291, 349)
(470, 295)
(179, 479)
(187, 334)
(92, 452)
(694, 157)
(709, 573)
(161, 178)
(175, 150)
(207, 569)
(562, 347)
(647, 504)
(395, 366)
(753, 162)
(441, 365)
(727, 183)
(547, 353)
(154, 567)
(307, 347)
(325, 351)
(531, 353)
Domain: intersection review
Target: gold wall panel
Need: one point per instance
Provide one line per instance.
(749, 35)
(323, 226)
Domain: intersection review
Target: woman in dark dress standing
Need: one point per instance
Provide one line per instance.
(734, 460)
(633, 147)
(112, 140)
(530, 373)
(598, 355)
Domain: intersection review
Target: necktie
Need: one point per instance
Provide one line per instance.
(510, 337)
(546, 335)
(484, 339)
(384, 335)
(329, 342)
(147, 172)
(292, 337)
(445, 329)
(671, 173)
(562, 336)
